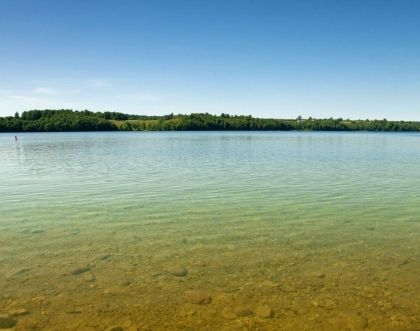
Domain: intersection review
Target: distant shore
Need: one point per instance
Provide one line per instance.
(70, 120)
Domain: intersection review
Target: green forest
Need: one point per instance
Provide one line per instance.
(71, 120)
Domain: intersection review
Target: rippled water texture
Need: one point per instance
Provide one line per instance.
(210, 231)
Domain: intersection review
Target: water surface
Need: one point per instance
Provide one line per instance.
(278, 230)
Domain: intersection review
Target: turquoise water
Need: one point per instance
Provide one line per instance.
(319, 229)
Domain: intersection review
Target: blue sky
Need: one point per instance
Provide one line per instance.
(330, 58)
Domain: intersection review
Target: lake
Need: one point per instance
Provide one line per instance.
(210, 231)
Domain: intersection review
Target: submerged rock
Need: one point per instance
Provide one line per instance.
(124, 283)
(242, 311)
(79, 271)
(357, 322)
(269, 284)
(157, 273)
(116, 328)
(197, 297)
(89, 278)
(228, 315)
(7, 322)
(199, 263)
(348, 321)
(121, 328)
(18, 312)
(21, 272)
(74, 311)
(264, 311)
(178, 272)
(75, 232)
(404, 262)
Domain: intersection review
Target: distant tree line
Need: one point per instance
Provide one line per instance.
(69, 120)
(56, 120)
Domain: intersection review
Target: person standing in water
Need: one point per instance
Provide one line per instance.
(15, 138)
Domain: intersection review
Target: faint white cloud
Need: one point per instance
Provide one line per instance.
(99, 83)
(45, 90)
(25, 98)
(5, 92)
(139, 97)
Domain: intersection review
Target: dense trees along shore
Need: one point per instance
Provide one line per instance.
(69, 120)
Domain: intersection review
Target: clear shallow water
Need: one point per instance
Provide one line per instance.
(319, 229)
